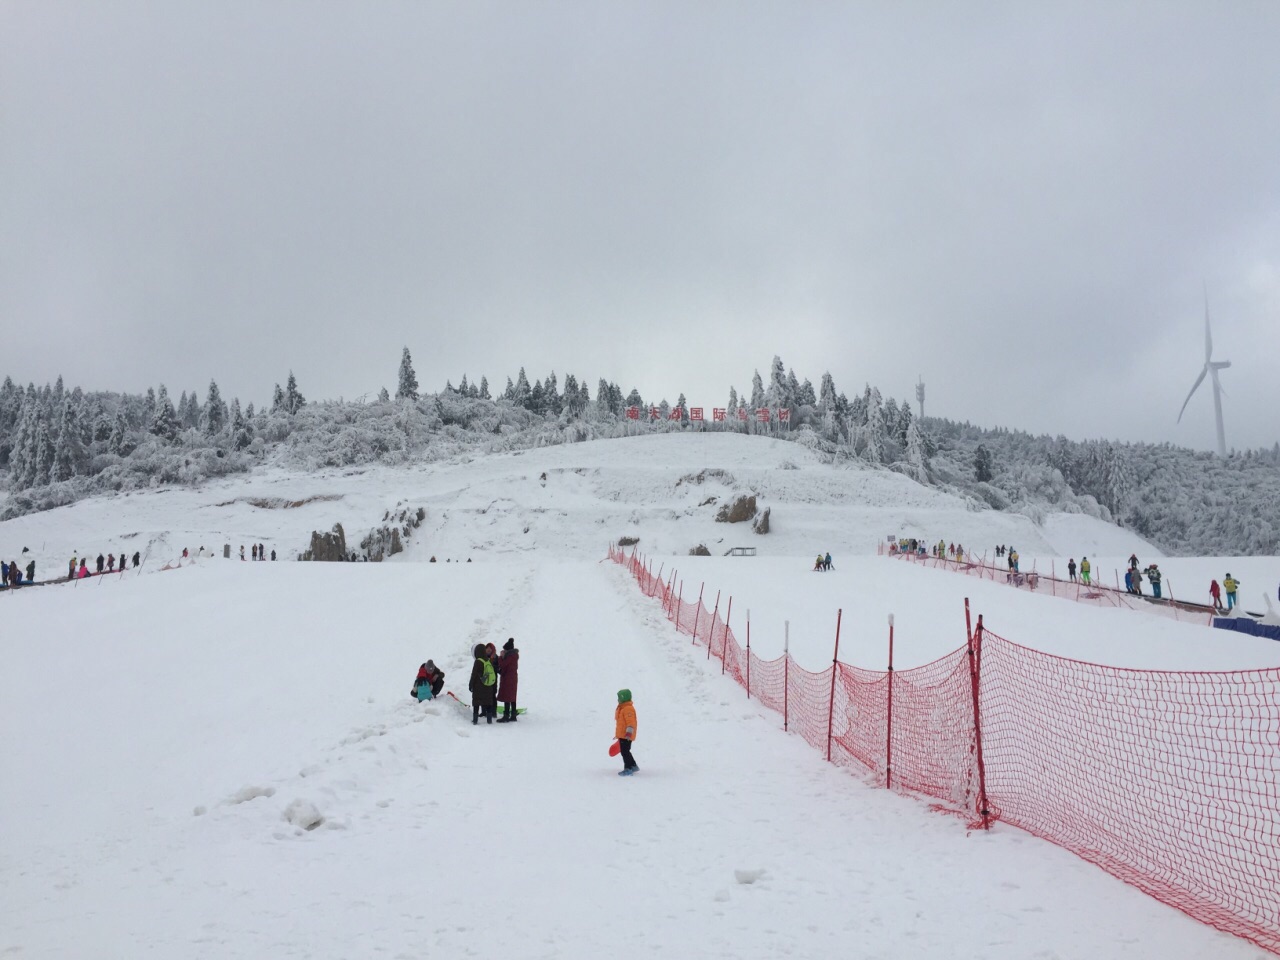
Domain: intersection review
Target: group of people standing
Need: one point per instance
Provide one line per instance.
(822, 563)
(1086, 571)
(1231, 584)
(1133, 577)
(11, 573)
(103, 564)
(494, 680)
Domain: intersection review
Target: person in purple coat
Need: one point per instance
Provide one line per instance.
(508, 679)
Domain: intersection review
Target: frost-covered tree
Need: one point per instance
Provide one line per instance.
(776, 396)
(874, 430)
(634, 400)
(215, 414)
(118, 442)
(551, 401)
(827, 393)
(982, 465)
(806, 396)
(68, 450)
(916, 455)
(248, 411)
(277, 400)
(383, 396)
(293, 398)
(683, 406)
(522, 393)
(733, 403)
(603, 406)
(44, 455)
(407, 381)
(757, 391)
(241, 432)
(484, 388)
(164, 422)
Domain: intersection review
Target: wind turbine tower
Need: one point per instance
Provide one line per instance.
(1211, 368)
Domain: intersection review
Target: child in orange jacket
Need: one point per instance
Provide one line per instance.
(624, 728)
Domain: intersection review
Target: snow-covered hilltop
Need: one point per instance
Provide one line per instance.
(564, 501)
(59, 446)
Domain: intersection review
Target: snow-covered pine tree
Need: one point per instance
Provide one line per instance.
(522, 394)
(68, 451)
(406, 380)
(551, 402)
(464, 387)
(683, 407)
(293, 398)
(248, 411)
(731, 412)
(806, 397)
(241, 433)
(982, 465)
(603, 407)
(571, 402)
(277, 400)
(827, 394)
(164, 422)
(484, 388)
(44, 455)
(775, 395)
(757, 392)
(634, 400)
(383, 396)
(118, 443)
(874, 430)
(916, 456)
(215, 417)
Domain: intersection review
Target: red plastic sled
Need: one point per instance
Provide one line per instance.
(615, 748)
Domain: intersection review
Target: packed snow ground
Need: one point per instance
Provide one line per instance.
(170, 735)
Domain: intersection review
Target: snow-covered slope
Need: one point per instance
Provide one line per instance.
(170, 735)
(562, 501)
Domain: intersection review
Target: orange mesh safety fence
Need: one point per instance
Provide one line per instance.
(1168, 780)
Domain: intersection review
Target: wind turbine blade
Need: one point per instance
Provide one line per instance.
(1208, 335)
(1199, 380)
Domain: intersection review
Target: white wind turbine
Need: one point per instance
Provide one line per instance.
(1211, 367)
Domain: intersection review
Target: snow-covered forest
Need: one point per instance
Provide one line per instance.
(58, 446)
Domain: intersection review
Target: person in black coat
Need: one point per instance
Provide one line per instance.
(483, 686)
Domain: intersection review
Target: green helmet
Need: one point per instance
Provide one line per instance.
(624, 696)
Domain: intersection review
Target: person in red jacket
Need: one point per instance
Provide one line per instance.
(508, 680)
(1215, 591)
(624, 728)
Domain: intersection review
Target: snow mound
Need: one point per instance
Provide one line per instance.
(245, 794)
(303, 813)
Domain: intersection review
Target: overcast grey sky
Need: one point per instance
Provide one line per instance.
(1020, 202)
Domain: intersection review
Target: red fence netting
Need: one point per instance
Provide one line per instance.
(1168, 780)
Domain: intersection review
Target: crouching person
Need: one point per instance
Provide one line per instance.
(429, 682)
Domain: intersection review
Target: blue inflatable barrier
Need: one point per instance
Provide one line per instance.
(1251, 627)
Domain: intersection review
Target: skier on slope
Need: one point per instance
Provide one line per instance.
(1085, 569)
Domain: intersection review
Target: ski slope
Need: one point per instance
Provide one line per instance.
(161, 728)
(169, 734)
